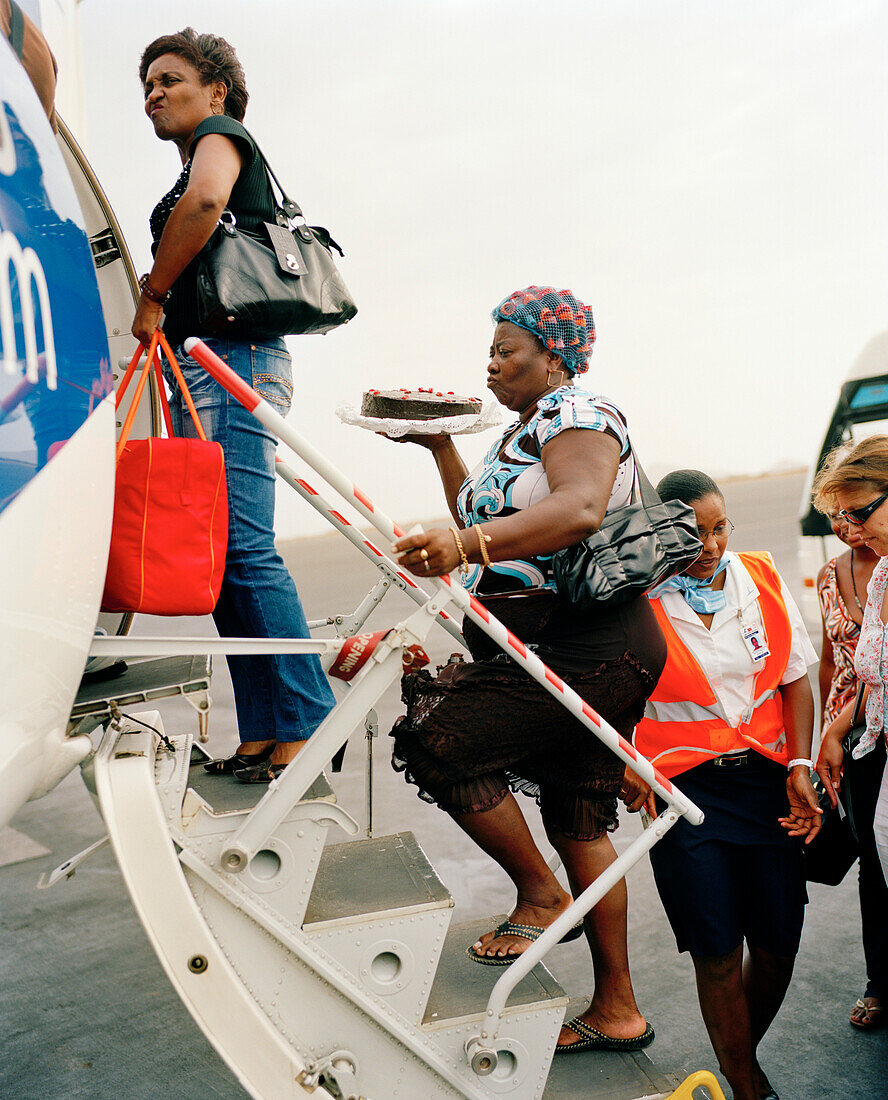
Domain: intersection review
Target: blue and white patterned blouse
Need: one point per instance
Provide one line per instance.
(501, 486)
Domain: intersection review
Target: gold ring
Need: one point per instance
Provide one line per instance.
(424, 554)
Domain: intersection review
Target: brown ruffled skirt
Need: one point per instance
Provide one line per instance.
(479, 729)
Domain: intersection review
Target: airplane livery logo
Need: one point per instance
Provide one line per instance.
(7, 146)
(29, 273)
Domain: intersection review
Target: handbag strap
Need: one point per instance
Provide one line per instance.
(180, 379)
(287, 210)
(290, 209)
(646, 491)
(140, 389)
(858, 702)
(152, 362)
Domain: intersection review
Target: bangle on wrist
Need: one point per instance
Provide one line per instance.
(464, 562)
(482, 544)
(809, 764)
(151, 294)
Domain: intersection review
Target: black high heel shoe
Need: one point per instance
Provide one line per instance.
(227, 765)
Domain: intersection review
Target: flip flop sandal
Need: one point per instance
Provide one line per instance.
(593, 1039)
(527, 931)
(874, 1016)
(226, 765)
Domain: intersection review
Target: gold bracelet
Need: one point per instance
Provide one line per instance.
(464, 563)
(482, 544)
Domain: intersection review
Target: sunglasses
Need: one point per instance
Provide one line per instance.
(859, 516)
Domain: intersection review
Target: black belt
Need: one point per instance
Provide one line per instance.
(732, 760)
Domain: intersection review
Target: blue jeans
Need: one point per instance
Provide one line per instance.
(280, 696)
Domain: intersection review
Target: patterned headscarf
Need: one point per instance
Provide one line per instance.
(557, 318)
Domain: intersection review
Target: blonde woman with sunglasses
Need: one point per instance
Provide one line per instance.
(853, 485)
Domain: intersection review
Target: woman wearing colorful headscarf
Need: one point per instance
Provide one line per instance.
(732, 718)
(484, 729)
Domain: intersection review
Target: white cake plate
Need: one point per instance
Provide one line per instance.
(489, 417)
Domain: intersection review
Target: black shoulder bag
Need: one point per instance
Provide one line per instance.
(861, 778)
(281, 283)
(831, 854)
(636, 548)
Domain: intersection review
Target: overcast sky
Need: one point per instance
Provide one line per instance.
(710, 176)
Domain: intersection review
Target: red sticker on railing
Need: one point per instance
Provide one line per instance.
(413, 658)
(354, 654)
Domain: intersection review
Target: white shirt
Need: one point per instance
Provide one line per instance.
(721, 651)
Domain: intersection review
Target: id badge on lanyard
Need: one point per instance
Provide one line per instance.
(753, 635)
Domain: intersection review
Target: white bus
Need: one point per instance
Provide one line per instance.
(861, 410)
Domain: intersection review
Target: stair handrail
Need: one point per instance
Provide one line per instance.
(476, 611)
(262, 820)
(395, 574)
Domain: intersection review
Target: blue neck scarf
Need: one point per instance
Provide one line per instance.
(698, 593)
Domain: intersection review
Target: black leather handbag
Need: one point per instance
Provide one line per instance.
(831, 854)
(860, 778)
(635, 549)
(282, 282)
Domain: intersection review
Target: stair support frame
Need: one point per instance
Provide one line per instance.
(297, 777)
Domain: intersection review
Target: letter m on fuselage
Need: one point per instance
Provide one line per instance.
(29, 274)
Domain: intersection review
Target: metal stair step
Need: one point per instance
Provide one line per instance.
(226, 795)
(462, 987)
(606, 1075)
(373, 878)
(143, 682)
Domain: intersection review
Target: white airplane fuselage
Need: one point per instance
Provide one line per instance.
(57, 424)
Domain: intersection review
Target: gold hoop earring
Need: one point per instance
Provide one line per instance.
(549, 381)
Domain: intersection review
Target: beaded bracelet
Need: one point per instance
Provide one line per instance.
(464, 563)
(151, 294)
(482, 544)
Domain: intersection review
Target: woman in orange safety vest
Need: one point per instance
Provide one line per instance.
(732, 717)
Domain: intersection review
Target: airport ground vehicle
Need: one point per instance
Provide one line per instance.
(861, 410)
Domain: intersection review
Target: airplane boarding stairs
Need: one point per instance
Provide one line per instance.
(333, 968)
(326, 968)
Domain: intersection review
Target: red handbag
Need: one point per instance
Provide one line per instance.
(170, 530)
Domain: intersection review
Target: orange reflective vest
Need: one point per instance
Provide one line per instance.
(683, 725)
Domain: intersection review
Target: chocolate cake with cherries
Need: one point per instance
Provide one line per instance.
(417, 404)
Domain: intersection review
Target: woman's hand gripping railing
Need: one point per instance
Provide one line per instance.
(675, 800)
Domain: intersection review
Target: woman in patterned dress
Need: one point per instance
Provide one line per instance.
(840, 585)
(485, 728)
(854, 485)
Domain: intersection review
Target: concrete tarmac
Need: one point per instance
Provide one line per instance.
(86, 1011)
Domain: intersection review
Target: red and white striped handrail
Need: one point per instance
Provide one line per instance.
(476, 611)
(370, 551)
